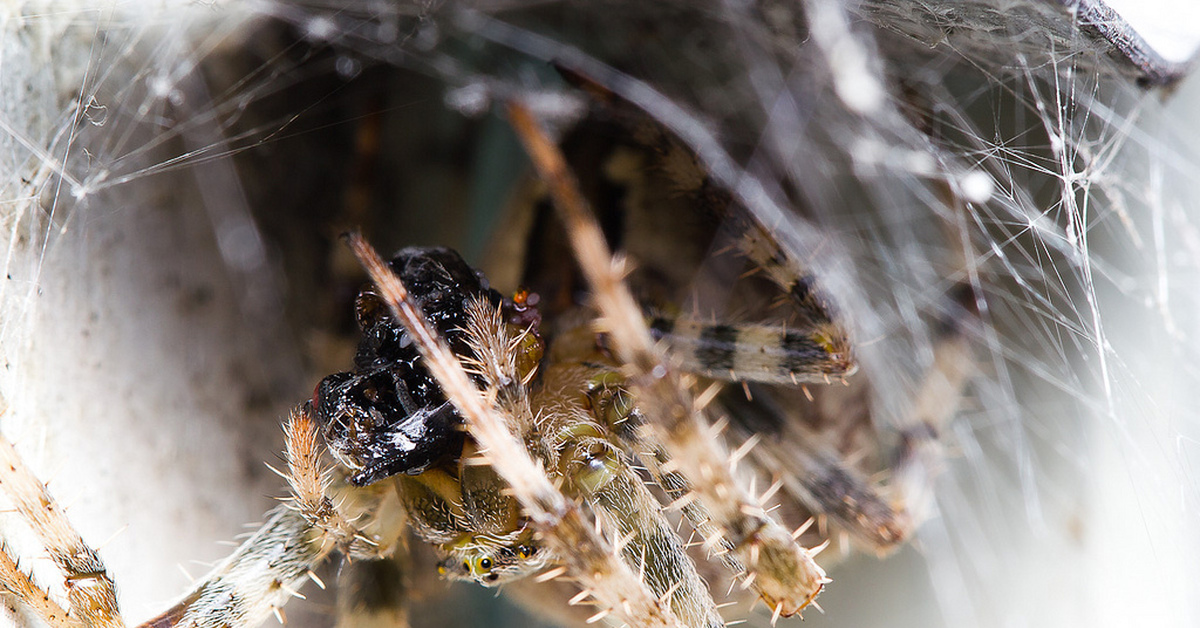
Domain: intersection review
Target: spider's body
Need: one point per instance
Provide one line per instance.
(456, 501)
(537, 461)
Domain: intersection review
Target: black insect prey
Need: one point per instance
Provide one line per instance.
(388, 415)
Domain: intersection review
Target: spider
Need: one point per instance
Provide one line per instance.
(516, 435)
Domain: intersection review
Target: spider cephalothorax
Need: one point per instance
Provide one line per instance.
(515, 448)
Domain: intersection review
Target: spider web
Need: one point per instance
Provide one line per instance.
(175, 175)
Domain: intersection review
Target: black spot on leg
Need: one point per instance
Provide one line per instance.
(801, 354)
(661, 327)
(800, 290)
(717, 347)
(849, 500)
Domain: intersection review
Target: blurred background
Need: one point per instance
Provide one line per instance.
(175, 176)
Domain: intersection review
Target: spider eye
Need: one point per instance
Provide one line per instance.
(525, 551)
(485, 564)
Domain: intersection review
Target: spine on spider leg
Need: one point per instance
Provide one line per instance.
(257, 580)
(90, 591)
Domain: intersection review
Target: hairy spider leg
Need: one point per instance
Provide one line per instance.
(587, 557)
(784, 573)
(91, 595)
(578, 450)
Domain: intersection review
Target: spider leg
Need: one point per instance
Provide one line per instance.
(257, 580)
(918, 457)
(91, 594)
(579, 451)
(269, 568)
(814, 474)
(757, 245)
(775, 354)
(783, 573)
(807, 470)
(587, 557)
(811, 469)
(17, 583)
(813, 348)
(309, 481)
